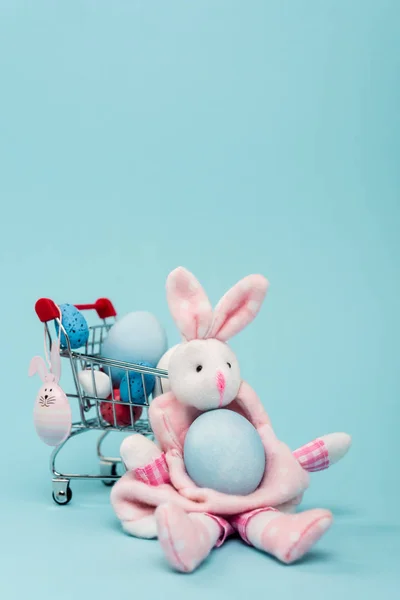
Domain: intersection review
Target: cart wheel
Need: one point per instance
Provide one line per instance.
(109, 469)
(62, 496)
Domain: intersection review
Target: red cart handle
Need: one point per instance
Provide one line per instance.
(47, 310)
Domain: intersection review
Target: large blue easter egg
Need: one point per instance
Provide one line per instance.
(136, 337)
(224, 452)
(136, 386)
(74, 324)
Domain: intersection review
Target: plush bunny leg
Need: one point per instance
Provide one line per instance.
(137, 451)
(187, 539)
(287, 537)
(136, 519)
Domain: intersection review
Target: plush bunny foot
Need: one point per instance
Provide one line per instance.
(287, 537)
(186, 539)
(145, 527)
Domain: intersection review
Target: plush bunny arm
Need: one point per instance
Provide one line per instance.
(337, 444)
(210, 501)
(160, 424)
(177, 471)
(323, 452)
(127, 490)
(170, 421)
(315, 456)
(251, 406)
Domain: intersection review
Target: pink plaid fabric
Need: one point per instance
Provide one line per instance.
(313, 456)
(155, 473)
(226, 528)
(239, 522)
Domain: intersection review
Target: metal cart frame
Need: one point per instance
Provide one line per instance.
(91, 406)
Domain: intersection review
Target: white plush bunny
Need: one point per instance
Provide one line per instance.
(156, 497)
(52, 413)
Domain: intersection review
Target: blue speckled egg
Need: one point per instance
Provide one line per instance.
(224, 452)
(136, 337)
(75, 325)
(136, 385)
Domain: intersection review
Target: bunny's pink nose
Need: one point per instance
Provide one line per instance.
(221, 383)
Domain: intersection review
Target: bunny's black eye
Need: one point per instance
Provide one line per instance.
(229, 365)
(199, 368)
(51, 389)
(45, 390)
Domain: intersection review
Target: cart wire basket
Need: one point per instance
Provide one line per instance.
(106, 415)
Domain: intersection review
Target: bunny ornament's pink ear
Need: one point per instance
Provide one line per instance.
(238, 307)
(189, 305)
(38, 365)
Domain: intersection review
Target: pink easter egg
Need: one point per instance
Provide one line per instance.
(122, 417)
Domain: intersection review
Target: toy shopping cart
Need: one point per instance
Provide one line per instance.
(95, 412)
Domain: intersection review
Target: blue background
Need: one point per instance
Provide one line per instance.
(230, 137)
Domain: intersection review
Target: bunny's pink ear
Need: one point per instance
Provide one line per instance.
(55, 360)
(38, 366)
(238, 307)
(189, 305)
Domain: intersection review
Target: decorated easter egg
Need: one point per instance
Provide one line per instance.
(52, 415)
(75, 325)
(95, 383)
(136, 385)
(224, 452)
(162, 383)
(136, 337)
(119, 415)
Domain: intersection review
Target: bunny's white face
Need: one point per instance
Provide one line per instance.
(204, 374)
(48, 394)
(203, 371)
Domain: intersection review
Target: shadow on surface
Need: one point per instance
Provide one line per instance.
(337, 511)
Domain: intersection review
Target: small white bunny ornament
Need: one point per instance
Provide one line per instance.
(52, 413)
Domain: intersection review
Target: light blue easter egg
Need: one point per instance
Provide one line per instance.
(75, 325)
(224, 452)
(136, 385)
(136, 337)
